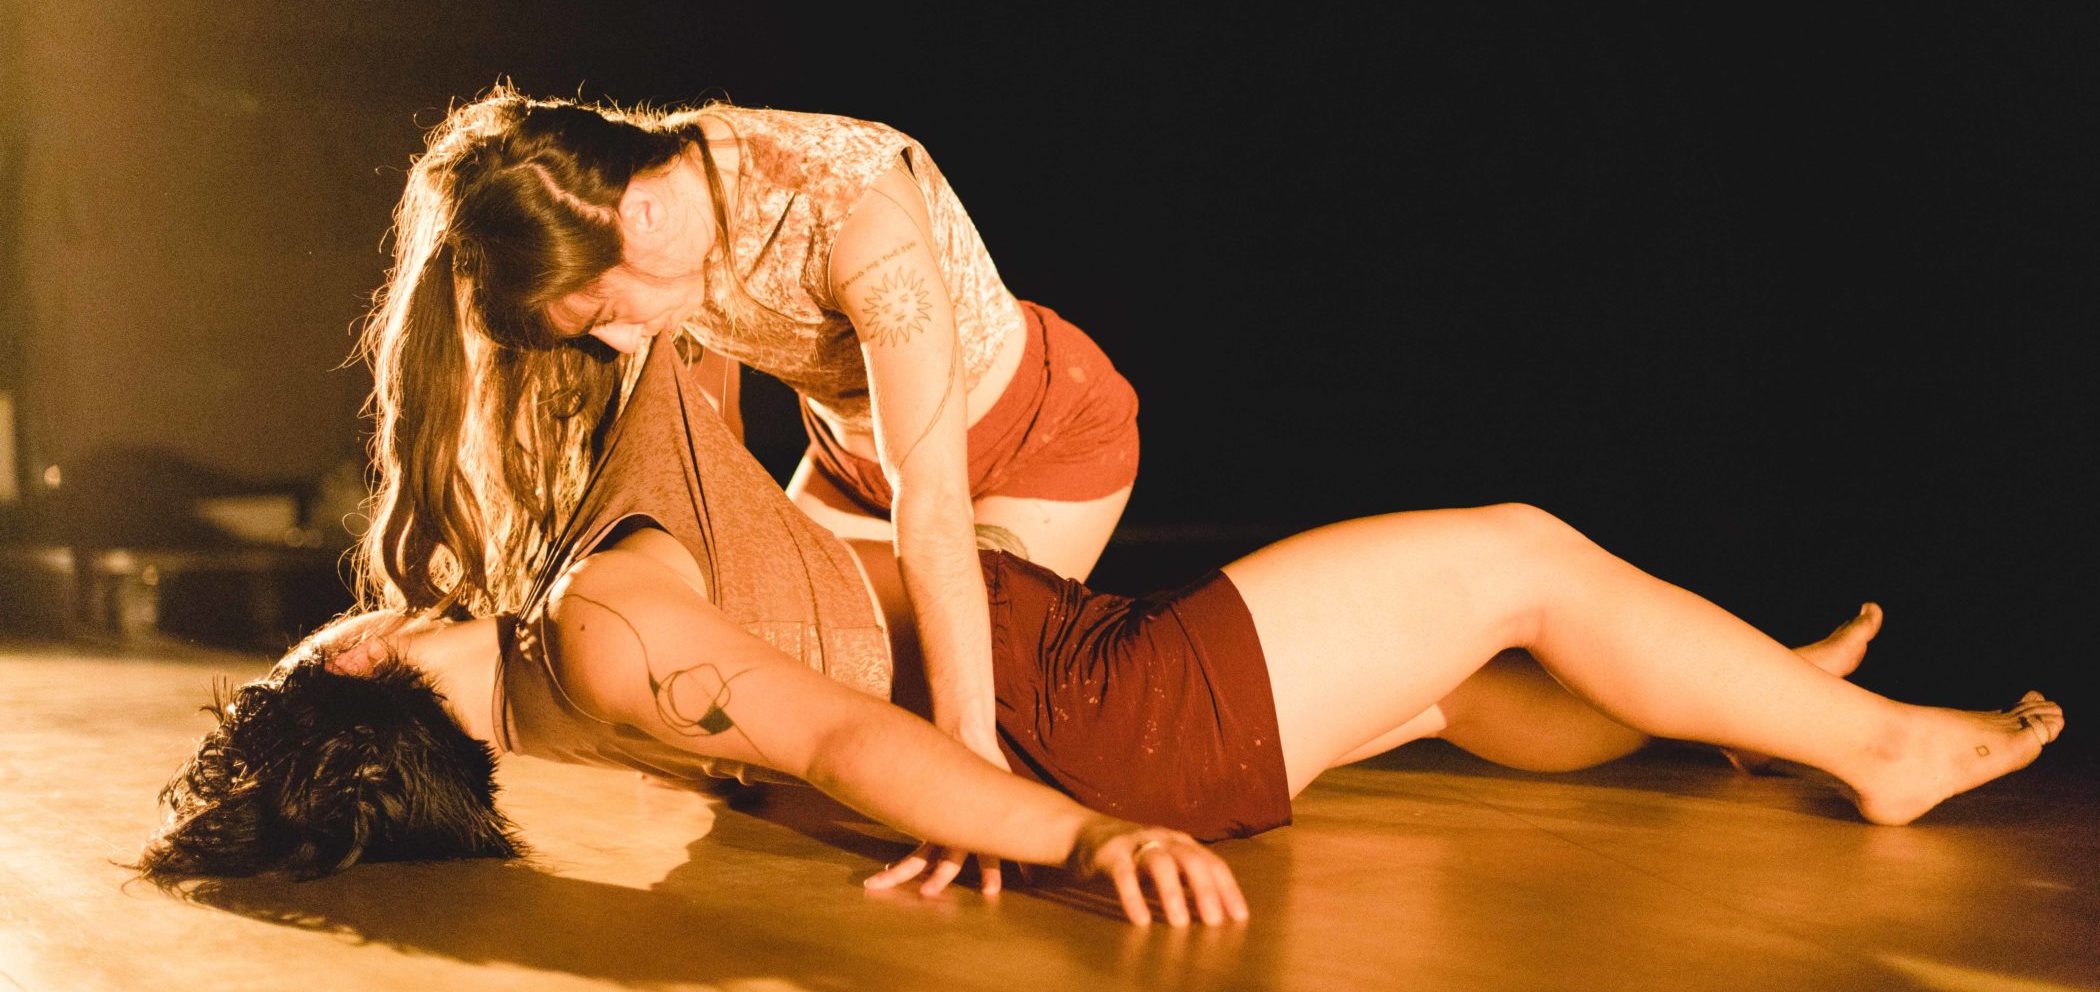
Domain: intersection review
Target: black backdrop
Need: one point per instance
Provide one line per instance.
(1783, 306)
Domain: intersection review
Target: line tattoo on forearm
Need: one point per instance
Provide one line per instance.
(865, 269)
(897, 309)
(947, 391)
(704, 688)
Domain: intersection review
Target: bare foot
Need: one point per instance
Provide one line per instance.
(1940, 753)
(1839, 654)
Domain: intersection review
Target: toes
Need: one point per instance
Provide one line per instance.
(2039, 717)
(1842, 651)
(2036, 710)
(1863, 625)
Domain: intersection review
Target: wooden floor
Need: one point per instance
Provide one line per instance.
(1424, 869)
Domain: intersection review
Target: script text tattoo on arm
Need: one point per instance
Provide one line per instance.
(886, 256)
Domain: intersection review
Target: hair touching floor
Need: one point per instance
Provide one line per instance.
(310, 771)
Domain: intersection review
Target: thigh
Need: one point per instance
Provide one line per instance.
(1367, 624)
(1064, 537)
(820, 498)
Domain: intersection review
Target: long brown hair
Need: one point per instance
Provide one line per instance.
(485, 415)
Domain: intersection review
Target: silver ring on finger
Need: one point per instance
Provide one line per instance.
(1138, 853)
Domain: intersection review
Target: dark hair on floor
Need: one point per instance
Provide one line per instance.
(310, 771)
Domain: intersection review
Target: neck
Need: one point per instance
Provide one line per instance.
(460, 662)
(687, 178)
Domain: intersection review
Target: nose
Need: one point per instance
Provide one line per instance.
(623, 338)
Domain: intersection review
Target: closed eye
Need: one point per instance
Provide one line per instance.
(598, 318)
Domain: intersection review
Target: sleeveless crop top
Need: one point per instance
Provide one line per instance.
(669, 459)
(799, 177)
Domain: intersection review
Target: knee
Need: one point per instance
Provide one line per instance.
(1528, 549)
(1524, 525)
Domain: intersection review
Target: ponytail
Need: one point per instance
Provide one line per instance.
(425, 534)
(486, 417)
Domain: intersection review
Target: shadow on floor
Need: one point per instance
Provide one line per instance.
(730, 913)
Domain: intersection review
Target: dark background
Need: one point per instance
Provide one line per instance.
(1787, 307)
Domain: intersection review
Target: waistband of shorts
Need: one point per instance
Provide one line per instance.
(1010, 415)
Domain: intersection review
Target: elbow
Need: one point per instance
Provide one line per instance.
(920, 494)
(834, 758)
(933, 520)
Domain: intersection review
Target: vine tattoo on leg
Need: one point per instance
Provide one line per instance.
(993, 537)
(700, 687)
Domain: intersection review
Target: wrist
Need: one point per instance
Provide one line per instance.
(1089, 832)
(957, 713)
(969, 731)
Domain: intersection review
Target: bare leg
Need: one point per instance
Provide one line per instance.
(803, 488)
(1064, 537)
(1839, 654)
(1366, 624)
(1512, 712)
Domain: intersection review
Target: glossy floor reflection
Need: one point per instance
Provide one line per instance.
(1424, 869)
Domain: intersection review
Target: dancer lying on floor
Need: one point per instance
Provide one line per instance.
(662, 638)
(828, 252)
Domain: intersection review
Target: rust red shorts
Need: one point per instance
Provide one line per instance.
(1154, 709)
(1064, 429)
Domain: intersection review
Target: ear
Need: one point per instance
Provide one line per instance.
(358, 659)
(644, 215)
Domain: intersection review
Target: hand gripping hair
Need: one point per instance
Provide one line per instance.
(310, 771)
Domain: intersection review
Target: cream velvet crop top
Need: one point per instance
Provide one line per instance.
(799, 177)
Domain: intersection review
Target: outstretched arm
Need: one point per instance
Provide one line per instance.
(638, 646)
(885, 276)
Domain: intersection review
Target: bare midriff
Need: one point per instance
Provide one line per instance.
(789, 181)
(861, 441)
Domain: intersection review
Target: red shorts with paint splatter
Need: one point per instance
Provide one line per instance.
(1155, 709)
(1064, 429)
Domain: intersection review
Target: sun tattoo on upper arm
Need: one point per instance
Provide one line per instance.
(896, 309)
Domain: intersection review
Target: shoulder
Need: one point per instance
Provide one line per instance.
(887, 221)
(826, 156)
(608, 613)
(802, 128)
(891, 203)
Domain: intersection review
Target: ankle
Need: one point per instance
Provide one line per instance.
(1888, 739)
